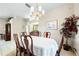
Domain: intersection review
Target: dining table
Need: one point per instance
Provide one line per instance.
(44, 46)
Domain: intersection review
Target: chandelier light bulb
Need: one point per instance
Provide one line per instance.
(32, 9)
(43, 12)
(35, 14)
(39, 8)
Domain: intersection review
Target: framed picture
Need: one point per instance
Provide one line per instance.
(52, 25)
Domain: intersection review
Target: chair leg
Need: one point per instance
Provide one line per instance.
(16, 53)
(20, 53)
(57, 54)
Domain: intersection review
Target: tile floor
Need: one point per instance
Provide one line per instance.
(67, 53)
(63, 53)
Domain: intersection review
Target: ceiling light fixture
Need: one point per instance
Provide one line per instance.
(36, 13)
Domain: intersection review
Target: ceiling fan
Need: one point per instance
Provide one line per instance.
(27, 5)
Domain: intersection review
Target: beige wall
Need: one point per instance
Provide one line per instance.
(59, 14)
(2, 26)
(55, 14)
(17, 25)
(76, 41)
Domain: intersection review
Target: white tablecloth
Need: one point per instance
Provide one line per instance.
(44, 46)
(41, 46)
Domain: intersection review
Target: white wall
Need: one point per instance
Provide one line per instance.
(2, 26)
(18, 25)
(55, 14)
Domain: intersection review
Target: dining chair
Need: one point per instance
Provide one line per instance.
(29, 45)
(60, 47)
(35, 33)
(19, 49)
(47, 34)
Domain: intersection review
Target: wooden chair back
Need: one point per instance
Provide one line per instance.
(35, 33)
(17, 43)
(29, 45)
(47, 34)
(16, 40)
(19, 49)
(22, 38)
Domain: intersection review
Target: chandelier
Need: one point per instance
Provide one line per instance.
(36, 12)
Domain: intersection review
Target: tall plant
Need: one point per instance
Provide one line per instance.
(69, 27)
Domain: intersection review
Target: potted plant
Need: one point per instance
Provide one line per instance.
(69, 29)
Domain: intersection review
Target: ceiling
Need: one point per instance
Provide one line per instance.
(19, 9)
